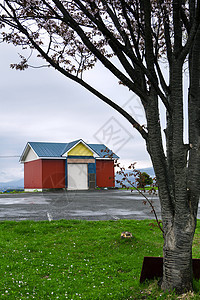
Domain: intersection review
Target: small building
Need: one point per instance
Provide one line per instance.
(72, 166)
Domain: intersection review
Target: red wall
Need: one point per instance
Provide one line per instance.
(33, 174)
(104, 170)
(49, 173)
(53, 173)
(44, 174)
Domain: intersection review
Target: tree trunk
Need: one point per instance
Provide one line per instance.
(194, 124)
(177, 252)
(178, 217)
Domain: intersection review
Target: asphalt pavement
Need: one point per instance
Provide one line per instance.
(80, 205)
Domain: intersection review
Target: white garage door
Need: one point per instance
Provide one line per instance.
(77, 177)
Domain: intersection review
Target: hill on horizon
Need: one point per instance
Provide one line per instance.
(14, 184)
(149, 171)
(19, 184)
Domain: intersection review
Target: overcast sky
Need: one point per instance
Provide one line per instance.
(42, 105)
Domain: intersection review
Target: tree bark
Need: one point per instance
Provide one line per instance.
(180, 223)
(179, 220)
(194, 124)
(177, 252)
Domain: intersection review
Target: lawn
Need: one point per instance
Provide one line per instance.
(80, 260)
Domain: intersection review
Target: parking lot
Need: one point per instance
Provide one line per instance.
(81, 205)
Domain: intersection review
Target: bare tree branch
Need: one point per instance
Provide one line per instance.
(81, 82)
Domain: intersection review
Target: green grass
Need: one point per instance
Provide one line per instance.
(80, 260)
(147, 188)
(12, 192)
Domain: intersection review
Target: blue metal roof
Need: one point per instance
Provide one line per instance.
(48, 149)
(70, 145)
(103, 151)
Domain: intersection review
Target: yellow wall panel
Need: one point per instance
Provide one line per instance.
(80, 150)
